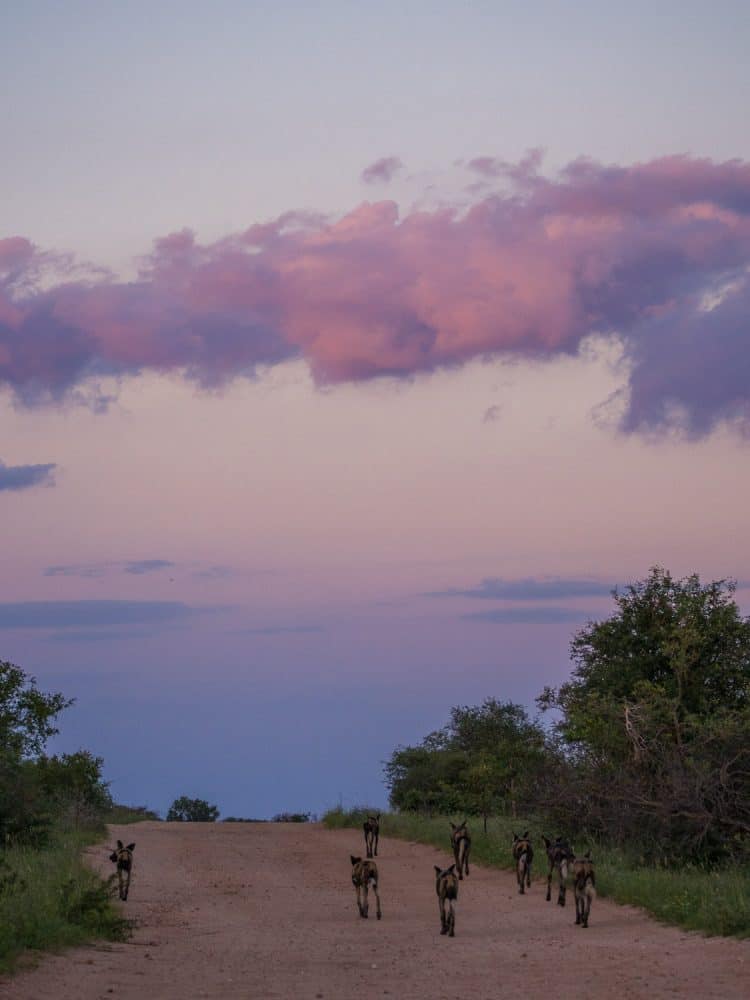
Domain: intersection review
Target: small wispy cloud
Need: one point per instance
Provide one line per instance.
(491, 167)
(98, 635)
(215, 573)
(542, 615)
(140, 566)
(382, 171)
(529, 589)
(134, 567)
(281, 630)
(87, 614)
(25, 477)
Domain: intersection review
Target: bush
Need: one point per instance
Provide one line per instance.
(49, 898)
(185, 810)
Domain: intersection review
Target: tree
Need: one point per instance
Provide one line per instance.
(676, 638)
(186, 810)
(74, 783)
(26, 723)
(26, 714)
(506, 751)
(484, 760)
(656, 721)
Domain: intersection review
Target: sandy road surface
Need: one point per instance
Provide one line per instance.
(266, 910)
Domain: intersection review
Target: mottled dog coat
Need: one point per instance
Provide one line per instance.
(559, 854)
(371, 826)
(461, 844)
(364, 877)
(584, 880)
(446, 887)
(123, 858)
(523, 855)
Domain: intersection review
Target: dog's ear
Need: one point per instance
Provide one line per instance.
(130, 847)
(355, 861)
(526, 835)
(113, 856)
(119, 844)
(453, 826)
(438, 869)
(450, 870)
(515, 837)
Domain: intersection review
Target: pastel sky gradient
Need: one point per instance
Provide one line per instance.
(349, 356)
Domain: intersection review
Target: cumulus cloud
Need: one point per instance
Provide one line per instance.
(382, 171)
(529, 589)
(23, 477)
(657, 254)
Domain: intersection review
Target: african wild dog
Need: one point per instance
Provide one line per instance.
(123, 858)
(523, 855)
(559, 854)
(371, 827)
(446, 887)
(364, 875)
(585, 887)
(461, 844)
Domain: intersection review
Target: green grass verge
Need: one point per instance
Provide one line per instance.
(50, 899)
(119, 815)
(714, 902)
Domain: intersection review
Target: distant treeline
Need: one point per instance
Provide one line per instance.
(286, 817)
(648, 743)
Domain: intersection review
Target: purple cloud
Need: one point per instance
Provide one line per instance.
(529, 589)
(24, 477)
(138, 567)
(492, 168)
(77, 614)
(382, 171)
(527, 616)
(656, 254)
(135, 567)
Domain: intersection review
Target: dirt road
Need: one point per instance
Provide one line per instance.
(267, 910)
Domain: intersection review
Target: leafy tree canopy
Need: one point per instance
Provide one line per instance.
(483, 759)
(26, 714)
(186, 810)
(678, 641)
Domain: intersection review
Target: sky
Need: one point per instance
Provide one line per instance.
(349, 357)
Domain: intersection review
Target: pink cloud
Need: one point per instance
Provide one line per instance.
(633, 251)
(382, 171)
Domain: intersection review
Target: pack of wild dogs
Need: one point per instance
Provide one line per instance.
(561, 859)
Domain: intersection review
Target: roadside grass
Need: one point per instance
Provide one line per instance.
(714, 902)
(50, 899)
(118, 815)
